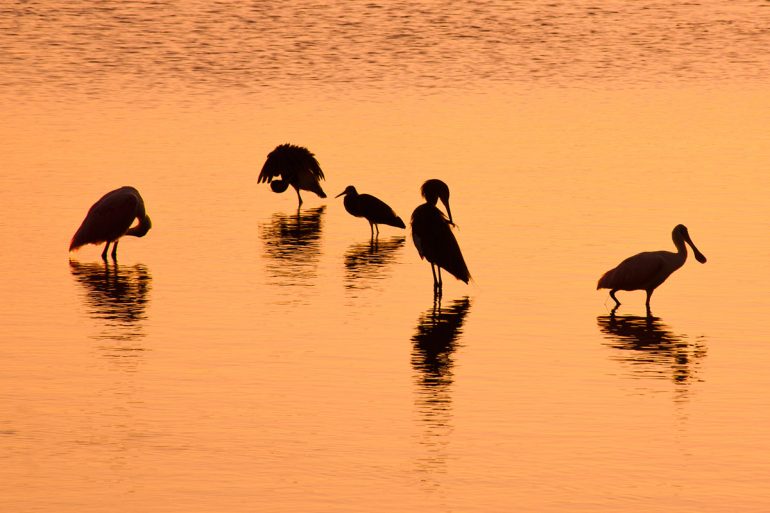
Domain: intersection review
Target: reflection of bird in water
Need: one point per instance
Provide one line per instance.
(435, 341)
(296, 166)
(369, 259)
(651, 347)
(434, 345)
(647, 271)
(116, 295)
(433, 237)
(292, 245)
(373, 209)
(111, 218)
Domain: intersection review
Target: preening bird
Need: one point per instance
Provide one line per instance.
(434, 240)
(433, 190)
(110, 218)
(296, 166)
(646, 271)
(373, 209)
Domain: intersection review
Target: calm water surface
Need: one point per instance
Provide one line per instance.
(245, 356)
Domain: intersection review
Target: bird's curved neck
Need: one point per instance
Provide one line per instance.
(681, 248)
(141, 229)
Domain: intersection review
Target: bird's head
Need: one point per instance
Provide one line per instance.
(279, 185)
(681, 232)
(348, 190)
(433, 190)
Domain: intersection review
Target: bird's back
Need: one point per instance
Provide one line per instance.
(435, 241)
(376, 211)
(294, 164)
(638, 272)
(110, 217)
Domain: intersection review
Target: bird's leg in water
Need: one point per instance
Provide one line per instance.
(440, 285)
(371, 228)
(612, 295)
(647, 303)
(106, 248)
(115, 250)
(436, 286)
(299, 198)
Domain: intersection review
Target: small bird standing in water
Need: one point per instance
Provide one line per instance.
(373, 209)
(110, 218)
(433, 237)
(296, 166)
(647, 271)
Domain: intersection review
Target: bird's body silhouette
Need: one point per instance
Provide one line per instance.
(372, 209)
(296, 166)
(435, 242)
(647, 271)
(111, 218)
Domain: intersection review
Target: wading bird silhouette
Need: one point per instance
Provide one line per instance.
(647, 271)
(110, 218)
(296, 166)
(373, 209)
(433, 237)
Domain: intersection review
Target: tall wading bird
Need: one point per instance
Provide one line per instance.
(646, 271)
(373, 209)
(296, 166)
(433, 237)
(110, 218)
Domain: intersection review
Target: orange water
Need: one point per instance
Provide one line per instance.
(244, 357)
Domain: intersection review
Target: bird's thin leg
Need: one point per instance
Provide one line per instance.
(376, 227)
(299, 198)
(612, 295)
(106, 248)
(371, 229)
(115, 250)
(440, 285)
(647, 303)
(435, 281)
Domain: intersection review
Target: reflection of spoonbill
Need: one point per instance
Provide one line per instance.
(646, 271)
(435, 241)
(373, 209)
(296, 166)
(433, 190)
(110, 218)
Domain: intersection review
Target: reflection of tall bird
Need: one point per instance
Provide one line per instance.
(373, 209)
(296, 166)
(369, 259)
(111, 218)
(435, 342)
(434, 240)
(646, 271)
(116, 295)
(649, 344)
(292, 244)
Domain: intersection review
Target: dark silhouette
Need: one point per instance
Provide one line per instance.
(646, 271)
(369, 259)
(651, 347)
(433, 237)
(437, 190)
(296, 166)
(373, 209)
(292, 245)
(111, 218)
(116, 295)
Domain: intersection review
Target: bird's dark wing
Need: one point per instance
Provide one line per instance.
(633, 273)
(109, 218)
(377, 211)
(435, 241)
(287, 161)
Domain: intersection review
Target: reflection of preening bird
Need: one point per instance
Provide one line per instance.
(373, 209)
(435, 242)
(296, 166)
(434, 341)
(110, 218)
(646, 271)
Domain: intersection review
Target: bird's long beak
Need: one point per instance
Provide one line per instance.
(700, 257)
(448, 211)
(340, 194)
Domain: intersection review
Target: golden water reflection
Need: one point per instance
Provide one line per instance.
(367, 261)
(434, 343)
(292, 245)
(651, 349)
